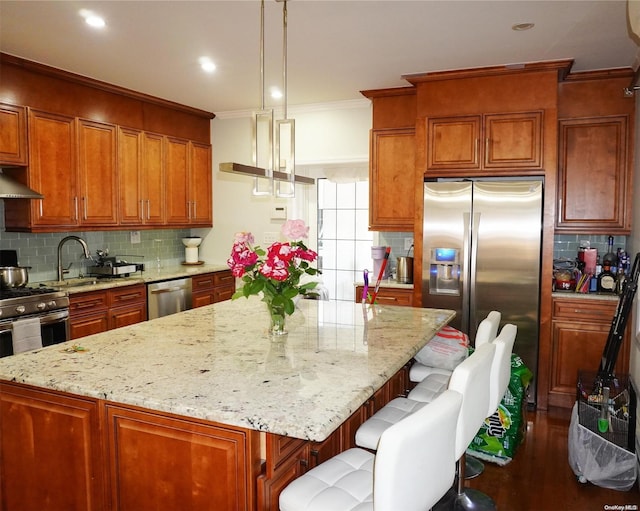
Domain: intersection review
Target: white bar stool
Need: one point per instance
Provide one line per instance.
(413, 468)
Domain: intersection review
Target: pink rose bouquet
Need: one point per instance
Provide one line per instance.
(275, 272)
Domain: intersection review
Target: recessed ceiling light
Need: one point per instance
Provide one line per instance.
(92, 19)
(276, 93)
(519, 27)
(207, 64)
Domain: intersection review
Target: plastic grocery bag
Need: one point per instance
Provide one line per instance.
(500, 435)
(445, 350)
(595, 459)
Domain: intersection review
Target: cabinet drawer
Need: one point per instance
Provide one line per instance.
(389, 296)
(202, 282)
(126, 295)
(224, 278)
(87, 302)
(591, 310)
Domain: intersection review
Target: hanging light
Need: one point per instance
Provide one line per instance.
(272, 164)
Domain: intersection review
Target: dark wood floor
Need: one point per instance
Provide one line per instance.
(540, 478)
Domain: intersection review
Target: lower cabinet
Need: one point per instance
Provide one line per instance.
(212, 288)
(51, 454)
(162, 462)
(389, 296)
(98, 311)
(580, 328)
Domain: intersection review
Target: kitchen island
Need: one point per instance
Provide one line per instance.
(197, 410)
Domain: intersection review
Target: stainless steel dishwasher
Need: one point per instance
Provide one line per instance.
(168, 297)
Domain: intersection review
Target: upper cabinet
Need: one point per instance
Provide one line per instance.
(593, 178)
(595, 160)
(97, 173)
(392, 153)
(108, 170)
(496, 142)
(13, 135)
(391, 190)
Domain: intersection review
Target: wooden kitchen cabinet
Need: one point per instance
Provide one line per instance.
(580, 328)
(97, 172)
(163, 462)
(188, 167)
(52, 172)
(93, 312)
(391, 186)
(389, 296)
(212, 288)
(127, 305)
(594, 179)
(58, 434)
(141, 177)
(495, 142)
(13, 135)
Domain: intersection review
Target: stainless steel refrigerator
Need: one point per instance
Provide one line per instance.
(482, 250)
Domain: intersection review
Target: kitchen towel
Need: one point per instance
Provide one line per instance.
(26, 335)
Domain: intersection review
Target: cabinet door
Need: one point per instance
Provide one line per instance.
(453, 143)
(51, 456)
(88, 314)
(200, 185)
(513, 140)
(177, 169)
(130, 176)
(158, 462)
(13, 135)
(127, 306)
(391, 187)
(88, 324)
(53, 169)
(98, 173)
(593, 179)
(153, 179)
(389, 296)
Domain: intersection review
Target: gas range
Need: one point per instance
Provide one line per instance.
(25, 301)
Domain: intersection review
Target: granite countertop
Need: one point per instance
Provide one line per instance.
(84, 285)
(217, 363)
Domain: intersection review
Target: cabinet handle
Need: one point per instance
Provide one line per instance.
(141, 209)
(84, 207)
(148, 209)
(131, 296)
(195, 209)
(388, 298)
(75, 207)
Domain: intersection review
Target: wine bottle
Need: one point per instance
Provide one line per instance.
(610, 259)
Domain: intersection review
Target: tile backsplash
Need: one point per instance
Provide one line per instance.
(565, 246)
(40, 251)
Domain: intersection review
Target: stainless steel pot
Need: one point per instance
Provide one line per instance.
(13, 276)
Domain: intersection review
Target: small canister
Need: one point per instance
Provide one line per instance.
(404, 270)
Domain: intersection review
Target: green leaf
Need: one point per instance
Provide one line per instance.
(289, 306)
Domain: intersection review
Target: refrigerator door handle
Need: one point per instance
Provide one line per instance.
(472, 281)
(466, 245)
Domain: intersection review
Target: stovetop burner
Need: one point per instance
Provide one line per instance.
(24, 291)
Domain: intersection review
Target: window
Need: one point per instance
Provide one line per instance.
(344, 241)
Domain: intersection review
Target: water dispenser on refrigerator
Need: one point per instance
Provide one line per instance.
(445, 271)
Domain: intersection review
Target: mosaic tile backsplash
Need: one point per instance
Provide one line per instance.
(40, 251)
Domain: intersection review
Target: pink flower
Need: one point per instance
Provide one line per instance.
(275, 268)
(295, 229)
(282, 251)
(244, 237)
(241, 257)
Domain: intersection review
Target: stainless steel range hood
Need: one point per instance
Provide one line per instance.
(10, 189)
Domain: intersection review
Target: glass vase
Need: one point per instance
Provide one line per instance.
(277, 320)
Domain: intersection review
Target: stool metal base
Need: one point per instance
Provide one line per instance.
(469, 500)
(473, 468)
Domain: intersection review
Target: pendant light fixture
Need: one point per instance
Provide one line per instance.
(272, 164)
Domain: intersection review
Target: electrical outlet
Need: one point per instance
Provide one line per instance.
(408, 243)
(269, 238)
(135, 237)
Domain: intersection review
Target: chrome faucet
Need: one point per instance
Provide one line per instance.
(85, 248)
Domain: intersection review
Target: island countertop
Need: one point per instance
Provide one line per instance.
(217, 363)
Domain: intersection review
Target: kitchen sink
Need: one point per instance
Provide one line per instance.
(66, 284)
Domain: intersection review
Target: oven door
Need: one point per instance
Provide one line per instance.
(54, 329)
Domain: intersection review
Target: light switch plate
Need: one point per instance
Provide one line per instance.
(135, 237)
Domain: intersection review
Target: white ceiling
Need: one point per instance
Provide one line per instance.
(336, 48)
